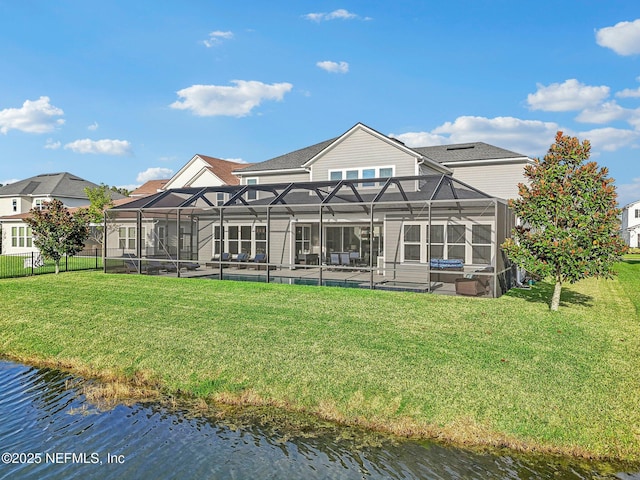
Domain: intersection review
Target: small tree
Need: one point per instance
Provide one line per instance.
(100, 198)
(56, 232)
(570, 221)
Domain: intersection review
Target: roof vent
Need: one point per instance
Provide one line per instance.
(460, 147)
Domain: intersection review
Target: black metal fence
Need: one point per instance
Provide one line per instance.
(33, 263)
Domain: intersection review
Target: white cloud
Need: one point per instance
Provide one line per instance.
(528, 137)
(216, 38)
(236, 101)
(420, 139)
(334, 67)
(93, 127)
(340, 14)
(623, 38)
(237, 160)
(604, 113)
(629, 93)
(570, 95)
(104, 147)
(35, 116)
(610, 139)
(154, 173)
(51, 145)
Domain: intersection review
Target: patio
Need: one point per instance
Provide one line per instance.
(422, 234)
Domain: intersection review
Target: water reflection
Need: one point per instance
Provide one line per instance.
(41, 411)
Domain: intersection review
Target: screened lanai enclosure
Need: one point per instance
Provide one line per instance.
(422, 233)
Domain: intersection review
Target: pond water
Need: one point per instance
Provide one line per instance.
(48, 430)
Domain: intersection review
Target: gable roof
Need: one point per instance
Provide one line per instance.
(467, 152)
(223, 169)
(445, 155)
(51, 184)
(289, 161)
(149, 188)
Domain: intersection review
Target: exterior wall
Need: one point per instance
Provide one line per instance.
(631, 224)
(496, 180)
(362, 150)
(186, 175)
(277, 178)
(206, 179)
(7, 247)
(6, 205)
(427, 170)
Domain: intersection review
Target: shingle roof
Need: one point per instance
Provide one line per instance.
(223, 168)
(290, 160)
(148, 188)
(462, 152)
(52, 184)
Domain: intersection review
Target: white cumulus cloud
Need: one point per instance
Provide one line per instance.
(603, 113)
(420, 139)
(234, 101)
(51, 145)
(623, 38)
(333, 67)
(628, 192)
(104, 147)
(528, 137)
(567, 96)
(610, 139)
(339, 14)
(35, 116)
(93, 127)
(216, 38)
(629, 93)
(154, 173)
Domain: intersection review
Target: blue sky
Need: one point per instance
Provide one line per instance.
(120, 92)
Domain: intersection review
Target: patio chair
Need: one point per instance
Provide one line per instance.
(190, 266)
(334, 258)
(345, 259)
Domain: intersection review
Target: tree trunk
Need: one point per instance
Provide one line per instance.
(57, 262)
(555, 300)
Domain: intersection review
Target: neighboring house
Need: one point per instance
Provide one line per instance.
(17, 199)
(631, 224)
(362, 203)
(149, 188)
(204, 171)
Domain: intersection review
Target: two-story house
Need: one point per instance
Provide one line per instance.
(17, 199)
(362, 203)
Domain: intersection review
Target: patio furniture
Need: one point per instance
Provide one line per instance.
(473, 286)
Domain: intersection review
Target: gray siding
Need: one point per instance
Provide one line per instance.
(278, 178)
(363, 150)
(496, 180)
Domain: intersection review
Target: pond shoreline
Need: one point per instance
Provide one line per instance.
(108, 392)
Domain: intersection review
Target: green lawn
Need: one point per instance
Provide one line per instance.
(501, 371)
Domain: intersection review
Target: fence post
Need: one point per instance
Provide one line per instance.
(32, 262)
(66, 263)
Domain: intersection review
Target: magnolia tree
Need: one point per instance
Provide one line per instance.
(570, 226)
(57, 232)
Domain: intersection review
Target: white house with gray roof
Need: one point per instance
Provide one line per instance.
(17, 199)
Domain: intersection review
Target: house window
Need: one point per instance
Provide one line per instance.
(456, 241)
(39, 204)
(241, 239)
(362, 173)
(14, 205)
(469, 242)
(220, 198)
(21, 237)
(303, 239)
(637, 213)
(481, 243)
(127, 237)
(252, 194)
(412, 247)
